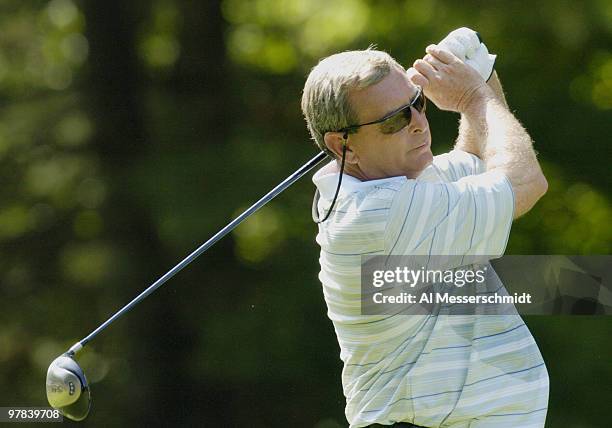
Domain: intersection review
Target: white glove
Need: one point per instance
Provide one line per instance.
(465, 44)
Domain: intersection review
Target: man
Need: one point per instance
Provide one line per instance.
(394, 197)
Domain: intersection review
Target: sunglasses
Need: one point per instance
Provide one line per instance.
(396, 120)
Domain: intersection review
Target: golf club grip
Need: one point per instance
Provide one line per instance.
(191, 257)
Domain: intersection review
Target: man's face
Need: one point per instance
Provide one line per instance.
(379, 155)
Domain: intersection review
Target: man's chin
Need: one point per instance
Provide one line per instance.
(423, 155)
(421, 158)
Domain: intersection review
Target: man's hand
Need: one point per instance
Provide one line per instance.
(462, 42)
(447, 81)
(467, 45)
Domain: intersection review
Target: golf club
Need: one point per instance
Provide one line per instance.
(67, 387)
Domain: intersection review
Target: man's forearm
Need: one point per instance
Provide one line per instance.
(495, 84)
(505, 146)
(468, 139)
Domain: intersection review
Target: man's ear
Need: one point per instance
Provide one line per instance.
(334, 142)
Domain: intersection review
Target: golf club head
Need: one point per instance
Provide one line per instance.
(67, 388)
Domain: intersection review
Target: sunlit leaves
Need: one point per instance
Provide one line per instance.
(62, 13)
(90, 192)
(41, 51)
(259, 235)
(55, 177)
(10, 337)
(87, 224)
(602, 82)
(272, 34)
(333, 25)
(73, 130)
(18, 219)
(87, 264)
(158, 42)
(13, 221)
(604, 13)
(272, 52)
(571, 218)
(594, 85)
(160, 50)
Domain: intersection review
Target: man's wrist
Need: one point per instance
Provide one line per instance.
(495, 85)
(474, 100)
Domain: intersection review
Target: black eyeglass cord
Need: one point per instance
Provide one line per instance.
(315, 208)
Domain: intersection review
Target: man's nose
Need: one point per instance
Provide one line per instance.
(419, 123)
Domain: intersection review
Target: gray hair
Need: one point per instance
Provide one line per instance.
(325, 100)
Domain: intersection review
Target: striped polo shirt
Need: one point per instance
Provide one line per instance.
(431, 370)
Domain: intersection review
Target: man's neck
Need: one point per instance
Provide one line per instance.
(355, 171)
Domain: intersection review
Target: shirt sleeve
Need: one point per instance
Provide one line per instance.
(457, 164)
(470, 216)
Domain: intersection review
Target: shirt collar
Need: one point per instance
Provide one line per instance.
(326, 180)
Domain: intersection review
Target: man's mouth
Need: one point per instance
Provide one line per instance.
(424, 144)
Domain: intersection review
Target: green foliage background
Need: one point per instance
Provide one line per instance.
(132, 131)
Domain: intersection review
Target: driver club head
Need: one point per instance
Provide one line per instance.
(67, 388)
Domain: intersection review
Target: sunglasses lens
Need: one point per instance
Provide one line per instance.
(397, 122)
(402, 118)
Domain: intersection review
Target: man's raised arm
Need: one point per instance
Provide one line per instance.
(506, 146)
(468, 140)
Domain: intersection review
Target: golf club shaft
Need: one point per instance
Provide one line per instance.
(191, 257)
